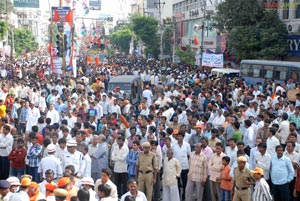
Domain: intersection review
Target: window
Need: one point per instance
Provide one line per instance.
(294, 75)
(286, 9)
(297, 11)
(256, 72)
(245, 69)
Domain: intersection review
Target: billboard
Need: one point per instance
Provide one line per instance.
(26, 3)
(61, 38)
(61, 11)
(212, 60)
(95, 4)
(293, 41)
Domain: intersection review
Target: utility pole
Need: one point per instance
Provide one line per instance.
(63, 44)
(202, 31)
(174, 35)
(160, 6)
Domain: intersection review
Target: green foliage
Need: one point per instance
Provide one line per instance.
(186, 56)
(146, 29)
(254, 33)
(110, 53)
(167, 36)
(6, 6)
(3, 29)
(24, 41)
(121, 39)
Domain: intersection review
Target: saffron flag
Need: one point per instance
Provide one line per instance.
(196, 41)
(69, 18)
(55, 16)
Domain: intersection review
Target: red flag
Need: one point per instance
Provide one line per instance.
(196, 42)
(97, 61)
(89, 59)
(69, 18)
(55, 16)
(107, 42)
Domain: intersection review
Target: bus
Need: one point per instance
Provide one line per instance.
(228, 72)
(254, 71)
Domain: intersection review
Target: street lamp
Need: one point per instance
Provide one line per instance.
(60, 28)
(202, 33)
(160, 7)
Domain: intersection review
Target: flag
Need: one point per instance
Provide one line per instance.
(97, 61)
(107, 42)
(89, 59)
(69, 18)
(55, 16)
(196, 42)
(51, 56)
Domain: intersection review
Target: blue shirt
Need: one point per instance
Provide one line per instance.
(100, 158)
(282, 170)
(131, 160)
(34, 155)
(23, 115)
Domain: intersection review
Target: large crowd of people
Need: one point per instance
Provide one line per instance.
(192, 137)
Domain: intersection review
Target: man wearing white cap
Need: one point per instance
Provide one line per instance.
(50, 162)
(75, 158)
(88, 184)
(14, 184)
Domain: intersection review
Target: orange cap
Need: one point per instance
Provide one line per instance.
(34, 185)
(63, 181)
(176, 131)
(198, 126)
(50, 186)
(25, 181)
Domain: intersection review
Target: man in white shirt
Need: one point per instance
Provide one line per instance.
(6, 143)
(249, 137)
(133, 191)
(74, 157)
(231, 150)
(284, 128)
(50, 162)
(148, 95)
(263, 160)
(118, 156)
(272, 142)
(219, 120)
(53, 114)
(181, 151)
(87, 160)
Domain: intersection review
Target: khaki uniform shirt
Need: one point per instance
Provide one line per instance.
(147, 162)
(241, 176)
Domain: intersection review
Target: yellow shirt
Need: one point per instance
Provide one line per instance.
(2, 111)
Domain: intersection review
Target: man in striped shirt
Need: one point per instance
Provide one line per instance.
(262, 190)
(197, 175)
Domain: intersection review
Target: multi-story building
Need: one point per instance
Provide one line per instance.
(289, 13)
(194, 21)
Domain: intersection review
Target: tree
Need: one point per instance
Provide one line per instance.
(110, 53)
(146, 29)
(121, 39)
(6, 6)
(24, 41)
(167, 36)
(3, 29)
(186, 56)
(253, 31)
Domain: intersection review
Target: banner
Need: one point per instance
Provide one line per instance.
(212, 60)
(59, 13)
(61, 42)
(95, 4)
(293, 41)
(26, 3)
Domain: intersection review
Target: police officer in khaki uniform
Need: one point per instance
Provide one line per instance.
(146, 170)
(242, 180)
